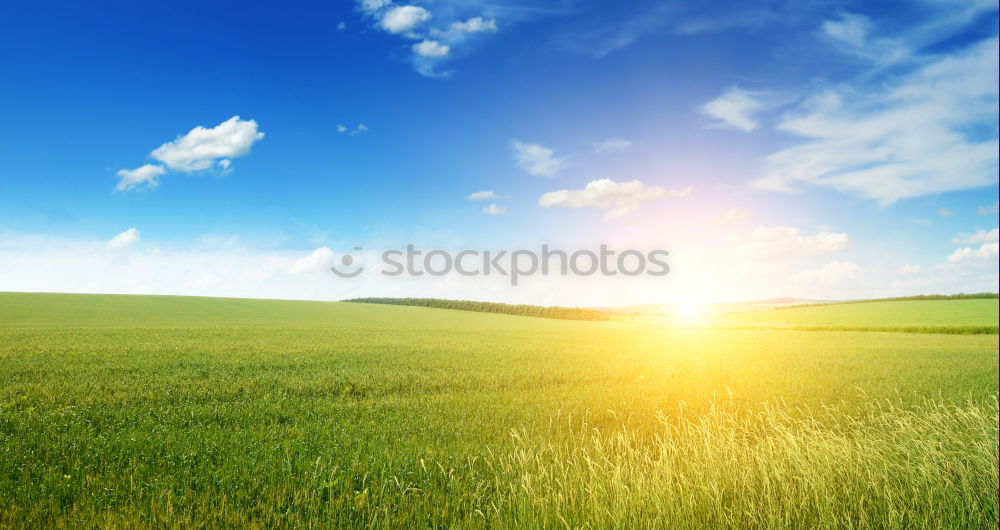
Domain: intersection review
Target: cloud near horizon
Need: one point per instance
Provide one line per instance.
(617, 198)
(779, 243)
(124, 239)
(318, 260)
(981, 236)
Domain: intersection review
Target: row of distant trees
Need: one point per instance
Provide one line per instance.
(959, 296)
(565, 313)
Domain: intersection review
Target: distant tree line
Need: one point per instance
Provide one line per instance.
(959, 296)
(565, 313)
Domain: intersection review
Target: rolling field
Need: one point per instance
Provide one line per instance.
(142, 411)
(925, 316)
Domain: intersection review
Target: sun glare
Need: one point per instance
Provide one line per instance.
(689, 313)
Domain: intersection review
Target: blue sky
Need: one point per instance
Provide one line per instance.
(850, 146)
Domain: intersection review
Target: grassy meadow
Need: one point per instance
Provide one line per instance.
(148, 411)
(918, 316)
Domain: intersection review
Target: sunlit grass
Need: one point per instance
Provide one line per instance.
(688, 313)
(341, 415)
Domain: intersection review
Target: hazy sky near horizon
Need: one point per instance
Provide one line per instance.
(821, 149)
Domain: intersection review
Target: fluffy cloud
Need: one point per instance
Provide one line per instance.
(142, 176)
(734, 110)
(484, 195)
(436, 42)
(618, 198)
(981, 236)
(930, 131)
(985, 254)
(777, 243)
(909, 269)
(986, 210)
(402, 19)
(316, 261)
(474, 25)
(612, 145)
(200, 148)
(124, 239)
(536, 159)
(494, 210)
(431, 48)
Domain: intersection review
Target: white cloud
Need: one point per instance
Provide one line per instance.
(318, 260)
(777, 243)
(851, 29)
(360, 128)
(612, 145)
(734, 109)
(474, 25)
(536, 159)
(985, 254)
(930, 131)
(402, 19)
(731, 215)
(981, 236)
(852, 33)
(431, 48)
(124, 239)
(944, 212)
(618, 198)
(201, 147)
(224, 266)
(435, 41)
(40, 263)
(484, 195)
(494, 210)
(371, 6)
(834, 272)
(909, 269)
(341, 26)
(145, 175)
(986, 210)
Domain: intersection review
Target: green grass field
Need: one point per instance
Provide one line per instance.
(933, 316)
(140, 411)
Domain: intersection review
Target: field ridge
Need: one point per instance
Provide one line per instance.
(564, 313)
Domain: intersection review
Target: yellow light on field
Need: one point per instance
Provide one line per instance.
(689, 313)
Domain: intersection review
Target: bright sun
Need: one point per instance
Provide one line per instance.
(688, 313)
